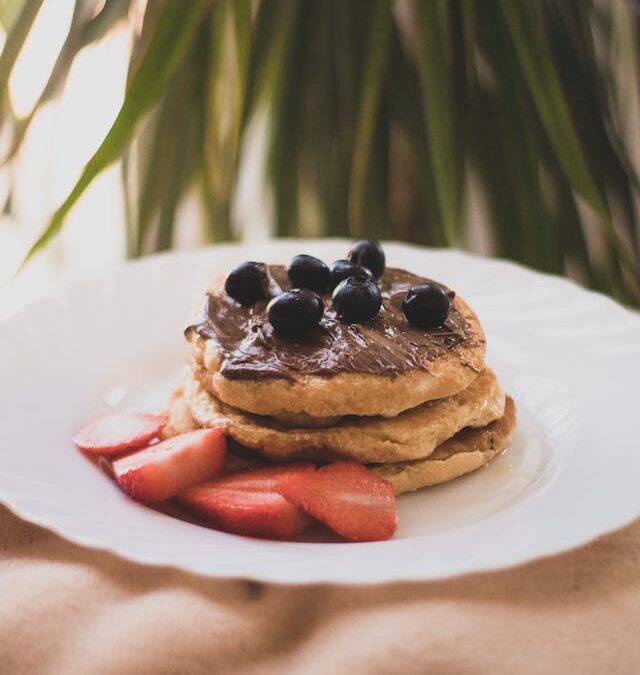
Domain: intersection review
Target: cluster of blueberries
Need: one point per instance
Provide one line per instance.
(356, 297)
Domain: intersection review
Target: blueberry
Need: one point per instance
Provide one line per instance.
(306, 271)
(295, 312)
(369, 254)
(343, 269)
(357, 300)
(248, 283)
(426, 305)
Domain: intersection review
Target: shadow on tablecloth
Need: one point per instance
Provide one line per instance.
(67, 609)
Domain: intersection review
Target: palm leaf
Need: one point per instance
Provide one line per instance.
(525, 22)
(433, 23)
(408, 114)
(223, 103)
(375, 66)
(16, 36)
(337, 66)
(163, 163)
(88, 24)
(378, 112)
(285, 67)
(516, 138)
(169, 43)
(589, 94)
(324, 174)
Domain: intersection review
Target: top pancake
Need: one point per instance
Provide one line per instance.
(379, 368)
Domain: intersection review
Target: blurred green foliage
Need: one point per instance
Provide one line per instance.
(382, 118)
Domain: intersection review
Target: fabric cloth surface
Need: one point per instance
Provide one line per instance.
(65, 609)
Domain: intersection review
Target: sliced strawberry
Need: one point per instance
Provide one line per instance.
(116, 433)
(352, 501)
(247, 503)
(263, 479)
(162, 470)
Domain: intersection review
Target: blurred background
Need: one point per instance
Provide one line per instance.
(505, 127)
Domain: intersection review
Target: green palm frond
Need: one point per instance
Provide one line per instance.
(169, 44)
(91, 20)
(379, 116)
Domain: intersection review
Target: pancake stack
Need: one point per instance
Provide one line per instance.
(417, 406)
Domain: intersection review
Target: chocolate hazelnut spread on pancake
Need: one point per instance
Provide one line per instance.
(388, 345)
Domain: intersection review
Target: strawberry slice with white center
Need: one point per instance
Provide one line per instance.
(162, 470)
(114, 434)
(248, 504)
(347, 497)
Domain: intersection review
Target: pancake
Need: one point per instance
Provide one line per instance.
(466, 451)
(380, 368)
(180, 419)
(413, 434)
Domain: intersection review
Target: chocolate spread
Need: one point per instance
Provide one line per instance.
(388, 345)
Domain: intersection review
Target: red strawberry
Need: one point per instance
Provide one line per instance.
(248, 504)
(162, 470)
(116, 433)
(354, 502)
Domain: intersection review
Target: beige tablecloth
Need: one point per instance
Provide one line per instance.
(65, 609)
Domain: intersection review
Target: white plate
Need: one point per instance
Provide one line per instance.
(570, 358)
